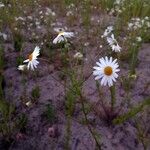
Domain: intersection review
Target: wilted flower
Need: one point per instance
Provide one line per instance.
(50, 12)
(22, 67)
(78, 55)
(29, 103)
(32, 59)
(133, 76)
(62, 36)
(69, 13)
(113, 43)
(138, 39)
(107, 31)
(19, 18)
(138, 23)
(106, 71)
(3, 35)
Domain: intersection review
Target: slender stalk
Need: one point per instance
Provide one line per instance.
(87, 122)
(68, 131)
(113, 97)
(133, 61)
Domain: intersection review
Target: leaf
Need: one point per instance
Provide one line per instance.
(132, 113)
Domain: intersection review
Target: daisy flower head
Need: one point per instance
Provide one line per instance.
(32, 59)
(113, 43)
(62, 36)
(106, 71)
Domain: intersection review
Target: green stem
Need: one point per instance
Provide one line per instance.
(113, 97)
(133, 60)
(87, 122)
(68, 130)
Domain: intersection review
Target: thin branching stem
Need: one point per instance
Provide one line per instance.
(87, 122)
(113, 97)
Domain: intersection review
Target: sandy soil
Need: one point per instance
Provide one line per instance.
(36, 136)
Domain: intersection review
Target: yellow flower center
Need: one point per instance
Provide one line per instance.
(61, 33)
(108, 71)
(30, 57)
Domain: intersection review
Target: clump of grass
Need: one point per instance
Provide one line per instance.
(1, 72)
(69, 2)
(86, 12)
(1, 58)
(21, 122)
(107, 4)
(18, 41)
(132, 112)
(142, 126)
(1, 86)
(35, 93)
(19, 60)
(50, 113)
(6, 126)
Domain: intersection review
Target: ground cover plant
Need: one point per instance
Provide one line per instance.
(74, 75)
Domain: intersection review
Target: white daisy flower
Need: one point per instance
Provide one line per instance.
(106, 71)
(32, 59)
(113, 43)
(22, 67)
(62, 36)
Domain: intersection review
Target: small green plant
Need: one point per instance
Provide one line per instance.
(18, 41)
(1, 86)
(19, 60)
(35, 93)
(132, 112)
(22, 122)
(86, 14)
(50, 113)
(1, 59)
(1, 72)
(6, 124)
(142, 126)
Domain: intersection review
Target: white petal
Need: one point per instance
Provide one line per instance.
(96, 72)
(97, 77)
(61, 38)
(36, 52)
(114, 61)
(55, 41)
(102, 61)
(110, 60)
(106, 59)
(27, 60)
(115, 75)
(97, 68)
(68, 34)
(117, 70)
(32, 66)
(28, 66)
(103, 80)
